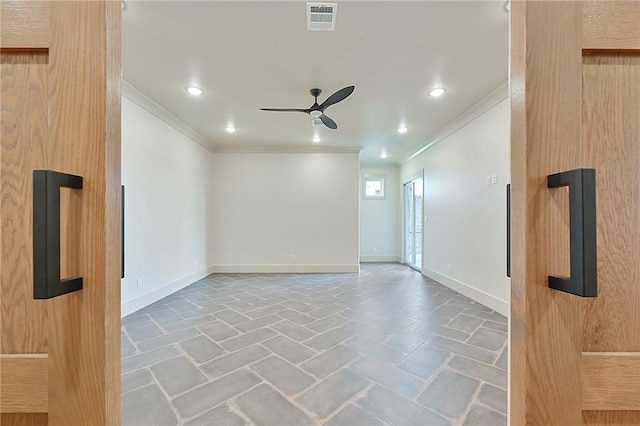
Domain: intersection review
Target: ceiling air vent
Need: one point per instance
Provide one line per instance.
(321, 16)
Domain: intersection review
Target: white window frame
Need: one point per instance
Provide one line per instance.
(378, 178)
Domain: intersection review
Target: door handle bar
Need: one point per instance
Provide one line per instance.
(46, 234)
(509, 230)
(582, 230)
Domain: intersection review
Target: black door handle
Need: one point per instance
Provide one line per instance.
(46, 234)
(509, 230)
(121, 231)
(582, 230)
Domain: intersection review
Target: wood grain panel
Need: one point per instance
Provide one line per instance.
(611, 381)
(611, 322)
(613, 25)
(546, 126)
(24, 24)
(24, 383)
(518, 394)
(23, 135)
(85, 140)
(602, 418)
(113, 198)
(23, 419)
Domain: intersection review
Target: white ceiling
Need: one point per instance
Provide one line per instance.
(246, 55)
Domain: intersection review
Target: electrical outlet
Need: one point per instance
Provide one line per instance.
(487, 180)
(139, 283)
(293, 257)
(449, 268)
(494, 179)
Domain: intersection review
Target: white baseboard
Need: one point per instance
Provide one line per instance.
(373, 259)
(284, 269)
(479, 296)
(154, 295)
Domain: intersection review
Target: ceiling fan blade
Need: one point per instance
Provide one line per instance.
(328, 122)
(338, 96)
(285, 109)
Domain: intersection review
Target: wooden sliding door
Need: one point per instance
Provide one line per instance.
(60, 112)
(575, 93)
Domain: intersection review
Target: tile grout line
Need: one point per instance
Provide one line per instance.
(329, 290)
(164, 393)
(352, 400)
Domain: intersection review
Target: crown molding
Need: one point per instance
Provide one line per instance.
(487, 103)
(137, 97)
(389, 166)
(284, 149)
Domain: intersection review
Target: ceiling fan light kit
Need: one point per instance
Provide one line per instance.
(317, 110)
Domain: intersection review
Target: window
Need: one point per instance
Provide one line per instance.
(373, 188)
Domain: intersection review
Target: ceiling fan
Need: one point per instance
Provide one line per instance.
(317, 111)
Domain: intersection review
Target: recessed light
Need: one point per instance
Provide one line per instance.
(195, 91)
(316, 139)
(438, 91)
(383, 155)
(230, 129)
(402, 129)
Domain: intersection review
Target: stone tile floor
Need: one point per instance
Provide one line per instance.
(385, 346)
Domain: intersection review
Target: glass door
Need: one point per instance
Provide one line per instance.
(413, 223)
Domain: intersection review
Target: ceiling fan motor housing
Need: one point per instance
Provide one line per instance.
(315, 111)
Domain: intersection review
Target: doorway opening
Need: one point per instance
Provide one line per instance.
(412, 232)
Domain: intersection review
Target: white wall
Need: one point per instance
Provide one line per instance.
(190, 212)
(466, 220)
(380, 219)
(166, 176)
(270, 206)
